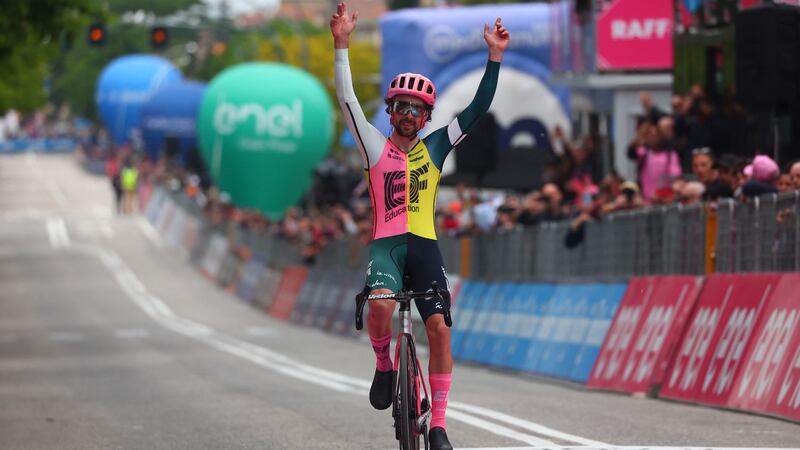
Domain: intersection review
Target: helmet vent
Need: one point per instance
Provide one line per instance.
(402, 82)
(430, 90)
(420, 83)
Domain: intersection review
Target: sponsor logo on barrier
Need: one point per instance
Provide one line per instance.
(649, 344)
(695, 346)
(789, 393)
(618, 341)
(769, 353)
(729, 350)
(215, 253)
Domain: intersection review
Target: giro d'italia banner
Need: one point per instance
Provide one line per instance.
(447, 45)
(262, 130)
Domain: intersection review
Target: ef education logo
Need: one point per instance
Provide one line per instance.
(443, 43)
(278, 121)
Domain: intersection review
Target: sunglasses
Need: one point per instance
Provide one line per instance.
(403, 108)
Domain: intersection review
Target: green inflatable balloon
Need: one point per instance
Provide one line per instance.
(262, 129)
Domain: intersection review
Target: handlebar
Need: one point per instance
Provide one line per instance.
(403, 296)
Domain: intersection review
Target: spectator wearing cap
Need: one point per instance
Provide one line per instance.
(706, 169)
(762, 174)
(629, 198)
(794, 174)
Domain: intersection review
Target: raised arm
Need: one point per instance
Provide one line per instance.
(369, 140)
(497, 39)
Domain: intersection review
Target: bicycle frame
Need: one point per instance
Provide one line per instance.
(407, 329)
(420, 417)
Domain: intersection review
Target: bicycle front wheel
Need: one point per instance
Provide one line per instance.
(408, 392)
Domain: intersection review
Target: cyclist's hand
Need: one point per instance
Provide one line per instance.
(497, 38)
(342, 24)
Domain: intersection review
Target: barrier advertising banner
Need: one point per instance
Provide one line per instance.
(344, 320)
(645, 333)
(463, 315)
(635, 34)
(718, 337)
(214, 255)
(535, 302)
(770, 377)
(603, 305)
(475, 340)
(294, 277)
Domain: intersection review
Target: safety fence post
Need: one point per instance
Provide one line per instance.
(711, 240)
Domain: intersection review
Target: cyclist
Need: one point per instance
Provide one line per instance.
(403, 173)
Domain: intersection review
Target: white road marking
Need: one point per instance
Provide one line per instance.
(149, 231)
(524, 424)
(57, 232)
(159, 312)
(131, 333)
(261, 331)
(618, 447)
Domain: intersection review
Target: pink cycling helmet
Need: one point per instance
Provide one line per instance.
(413, 84)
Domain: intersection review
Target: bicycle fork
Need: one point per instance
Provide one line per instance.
(408, 329)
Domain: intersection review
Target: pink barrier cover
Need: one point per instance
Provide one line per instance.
(607, 370)
(648, 327)
(289, 288)
(718, 336)
(770, 378)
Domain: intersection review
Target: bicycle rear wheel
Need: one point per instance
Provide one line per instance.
(407, 396)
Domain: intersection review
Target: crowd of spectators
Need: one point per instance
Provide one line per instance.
(680, 157)
(690, 155)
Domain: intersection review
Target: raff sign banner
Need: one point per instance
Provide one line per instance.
(635, 34)
(262, 130)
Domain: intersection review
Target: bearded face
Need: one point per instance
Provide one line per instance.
(408, 115)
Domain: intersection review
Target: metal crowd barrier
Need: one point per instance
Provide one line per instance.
(759, 236)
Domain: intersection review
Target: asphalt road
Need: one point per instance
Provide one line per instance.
(109, 339)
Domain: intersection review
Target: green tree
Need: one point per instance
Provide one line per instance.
(314, 53)
(32, 33)
(76, 73)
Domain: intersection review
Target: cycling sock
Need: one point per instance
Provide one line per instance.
(440, 389)
(381, 347)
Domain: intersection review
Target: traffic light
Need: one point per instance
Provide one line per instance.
(97, 34)
(159, 37)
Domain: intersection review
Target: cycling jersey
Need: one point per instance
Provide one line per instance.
(403, 187)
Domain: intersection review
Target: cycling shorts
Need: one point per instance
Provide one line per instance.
(391, 258)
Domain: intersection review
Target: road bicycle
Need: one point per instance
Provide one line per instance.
(411, 407)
